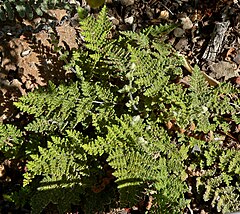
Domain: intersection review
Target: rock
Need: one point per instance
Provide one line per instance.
(224, 70)
(182, 44)
(127, 2)
(164, 14)
(178, 32)
(72, 1)
(129, 20)
(123, 27)
(25, 52)
(187, 23)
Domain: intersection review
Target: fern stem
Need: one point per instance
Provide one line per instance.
(131, 98)
(98, 102)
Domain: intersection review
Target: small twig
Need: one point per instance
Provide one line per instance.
(190, 69)
(229, 135)
(131, 98)
(191, 211)
(8, 143)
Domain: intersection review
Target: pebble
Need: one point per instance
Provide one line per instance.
(187, 23)
(129, 20)
(164, 14)
(2, 170)
(182, 44)
(178, 32)
(149, 12)
(72, 2)
(25, 52)
(127, 2)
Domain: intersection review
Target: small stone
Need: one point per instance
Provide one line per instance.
(182, 44)
(25, 52)
(127, 2)
(72, 1)
(16, 83)
(187, 23)
(75, 19)
(164, 14)
(178, 32)
(123, 212)
(238, 127)
(129, 20)
(223, 69)
(3, 117)
(29, 84)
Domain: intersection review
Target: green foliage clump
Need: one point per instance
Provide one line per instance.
(11, 140)
(63, 185)
(26, 9)
(115, 114)
(220, 181)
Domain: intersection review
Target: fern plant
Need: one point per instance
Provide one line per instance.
(127, 111)
(11, 140)
(220, 181)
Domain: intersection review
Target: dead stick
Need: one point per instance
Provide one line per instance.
(211, 81)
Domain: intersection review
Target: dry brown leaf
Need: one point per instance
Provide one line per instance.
(43, 39)
(58, 13)
(28, 65)
(67, 35)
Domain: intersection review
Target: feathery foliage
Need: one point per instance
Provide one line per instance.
(11, 139)
(127, 111)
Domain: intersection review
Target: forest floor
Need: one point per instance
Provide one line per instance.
(207, 34)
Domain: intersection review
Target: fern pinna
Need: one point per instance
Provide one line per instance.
(128, 111)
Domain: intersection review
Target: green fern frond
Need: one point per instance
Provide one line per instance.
(210, 103)
(114, 114)
(11, 139)
(63, 174)
(63, 197)
(96, 39)
(52, 109)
